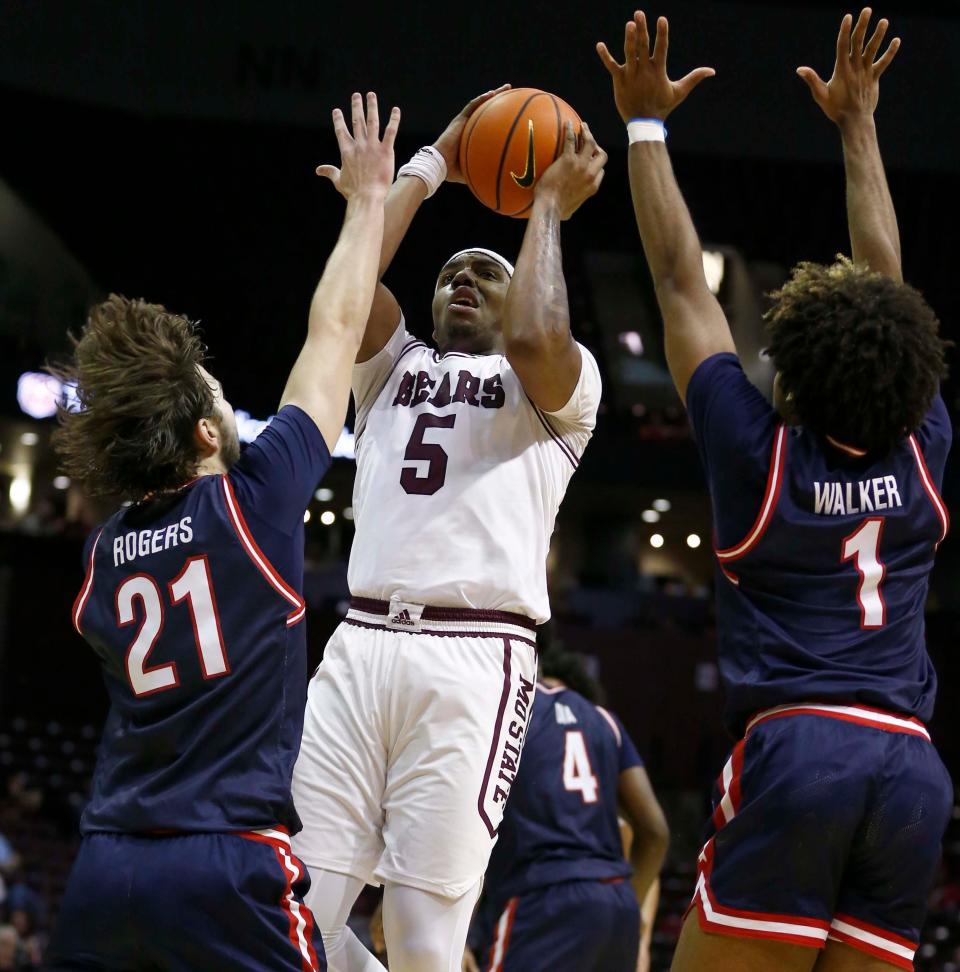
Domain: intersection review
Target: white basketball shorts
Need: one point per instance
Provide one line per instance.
(412, 736)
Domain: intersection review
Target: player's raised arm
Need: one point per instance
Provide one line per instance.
(849, 99)
(417, 180)
(320, 380)
(694, 324)
(536, 315)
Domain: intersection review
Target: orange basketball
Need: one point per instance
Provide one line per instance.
(509, 142)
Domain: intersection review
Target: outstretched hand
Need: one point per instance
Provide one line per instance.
(448, 144)
(641, 87)
(854, 87)
(366, 160)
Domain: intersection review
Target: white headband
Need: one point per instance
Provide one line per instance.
(503, 261)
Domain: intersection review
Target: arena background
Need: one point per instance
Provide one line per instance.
(166, 150)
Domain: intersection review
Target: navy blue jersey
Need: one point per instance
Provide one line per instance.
(824, 553)
(561, 819)
(193, 604)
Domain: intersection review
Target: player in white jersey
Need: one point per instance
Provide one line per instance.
(416, 717)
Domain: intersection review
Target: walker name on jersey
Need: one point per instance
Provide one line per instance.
(142, 543)
(420, 388)
(866, 496)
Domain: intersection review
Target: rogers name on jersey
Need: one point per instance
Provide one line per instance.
(142, 543)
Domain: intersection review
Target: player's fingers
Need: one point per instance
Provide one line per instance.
(356, 115)
(888, 55)
(860, 31)
(569, 139)
(689, 81)
(843, 39)
(630, 43)
(340, 129)
(607, 59)
(373, 116)
(643, 34)
(662, 42)
(814, 82)
(874, 45)
(588, 144)
(472, 105)
(330, 172)
(597, 179)
(393, 123)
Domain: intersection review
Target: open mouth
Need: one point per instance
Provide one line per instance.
(464, 298)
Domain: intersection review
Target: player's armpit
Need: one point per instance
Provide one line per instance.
(695, 328)
(381, 324)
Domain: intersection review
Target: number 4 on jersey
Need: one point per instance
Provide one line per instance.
(577, 771)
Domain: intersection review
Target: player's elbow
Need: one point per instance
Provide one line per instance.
(651, 830)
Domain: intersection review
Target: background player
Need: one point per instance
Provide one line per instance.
(416, 717)
(829, 814)
(192, 602)
(557, 886)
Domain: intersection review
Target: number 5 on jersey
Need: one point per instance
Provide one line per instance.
(193, 585)
(429, 452)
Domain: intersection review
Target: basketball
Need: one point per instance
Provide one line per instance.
(509, 142)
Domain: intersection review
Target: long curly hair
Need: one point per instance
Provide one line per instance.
(140, 395)
(859, 355)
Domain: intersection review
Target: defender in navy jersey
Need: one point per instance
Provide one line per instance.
(192, 601)
(829, 813)
(558, 890)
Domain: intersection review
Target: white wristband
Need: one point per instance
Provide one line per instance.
(646, 130)
(428, 166)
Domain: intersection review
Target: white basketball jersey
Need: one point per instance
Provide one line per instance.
(459, 477)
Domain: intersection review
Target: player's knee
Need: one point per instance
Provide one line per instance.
(334, 939)
(419, 951)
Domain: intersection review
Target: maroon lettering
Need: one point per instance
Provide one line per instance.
(500, 795)
(424, 386)
(493, 394)
(442, 396)
(405, 390)
(510, 746)
(430, 452)
(516, 729)
(506, 779)
(508, 764)
(467, 387)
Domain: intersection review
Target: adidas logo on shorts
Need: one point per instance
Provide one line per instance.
(404, 616)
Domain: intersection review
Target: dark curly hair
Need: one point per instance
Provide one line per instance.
(860, 355)
(140, 395)
(568, 668)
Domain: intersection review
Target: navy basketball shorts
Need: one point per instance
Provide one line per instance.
(827, 824)
(577, 926)
(182, 903)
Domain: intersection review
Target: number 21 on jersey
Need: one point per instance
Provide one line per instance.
(193, 585)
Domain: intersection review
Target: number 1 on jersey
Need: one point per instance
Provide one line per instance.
(577, 771)
(863, 548)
